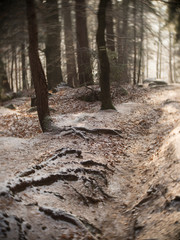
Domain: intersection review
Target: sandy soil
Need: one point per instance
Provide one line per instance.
(101, 186)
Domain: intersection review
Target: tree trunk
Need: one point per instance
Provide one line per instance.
(23, 63)
(110, 27)
(170, 59)
(4, 85)
(174, 68)
(37, 72)
(103, 58)
(123, 48)
(19, 72)
(158, 52)
(83, 54)
(53, 52)
(135, 50)
(160, 60)
(16, 69)
(69, 45)
(118, 29)
(12, 67)
(147, 56)
(141, 43)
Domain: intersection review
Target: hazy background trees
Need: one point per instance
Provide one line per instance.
(140, 43)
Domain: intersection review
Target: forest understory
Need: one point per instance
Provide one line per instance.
(107, 175)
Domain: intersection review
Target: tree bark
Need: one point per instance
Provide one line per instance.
(12, 67)
(135, 33)
(147, 56)
(110, 27)
(23, 63)
(37, 72)
(141, 43)
(16, 70)
(53, 52)
(83, 54)
(4, 84)
(123, 43)
(69, 45)
(103, 58)
(171, 80)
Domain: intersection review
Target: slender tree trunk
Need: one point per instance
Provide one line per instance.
(110, 27)
(170, 58)
(53, 52)
(23, 63)
(135, 33)
(174, 68)
(4, 84)
(157, 61)
(37, 72)
(160, 60)
(12, 68)
(16, 70)
(69, 45)
(158, 51)
(83, 54)
(103, 58)
(118, 29)
(147, 57)
(123, 53)
(8, 69)
(19, 72)
(141, 43)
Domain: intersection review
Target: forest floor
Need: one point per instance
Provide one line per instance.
(87, 182)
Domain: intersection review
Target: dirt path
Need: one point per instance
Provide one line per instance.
(96, 186)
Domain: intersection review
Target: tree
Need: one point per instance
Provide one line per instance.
(170, 59)
(4, 85)
(141, 41)
(52, 51)
(123, 42)
(37, 72)
(83, 54)
(69, 44)
(135, 39)
(103, 58)
(110, 27)
(23, 60)
(174, 15)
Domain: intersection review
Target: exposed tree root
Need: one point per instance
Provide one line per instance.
(48, 180)
(64, 151)
(101, 131)
(90, 226)
(89, 163)
(59, 153)
(81, 130)
(92, 171)
(96, 185)
(55, 194)
(80, 133)
(27, 173)
(61, 215)
(93, 200)
(84, 199)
